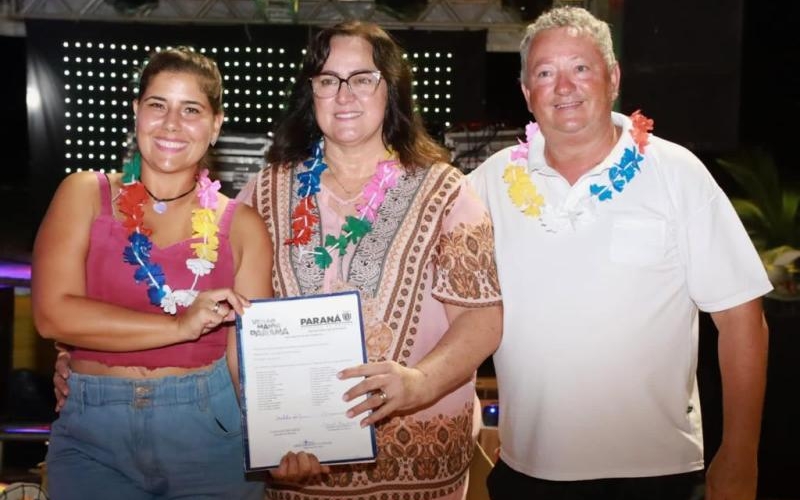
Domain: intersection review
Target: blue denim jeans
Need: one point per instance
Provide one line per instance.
(142, 439)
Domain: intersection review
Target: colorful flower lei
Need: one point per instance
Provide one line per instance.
(521, 189)
(354, 228)
(524, 194)
(620, 174)
(132, 198)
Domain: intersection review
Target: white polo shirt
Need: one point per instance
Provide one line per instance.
(596, 369)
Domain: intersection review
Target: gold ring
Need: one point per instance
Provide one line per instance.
(215, 309)
(383, 396)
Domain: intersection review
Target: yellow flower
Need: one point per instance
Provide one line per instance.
(522, 191)
(204, 223)
(205, 251)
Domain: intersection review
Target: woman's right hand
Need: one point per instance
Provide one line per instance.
(209, 310)
(60, 376)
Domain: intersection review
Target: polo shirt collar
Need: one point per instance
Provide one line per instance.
(537, 162)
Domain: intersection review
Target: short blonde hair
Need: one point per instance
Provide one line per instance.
(569, 17)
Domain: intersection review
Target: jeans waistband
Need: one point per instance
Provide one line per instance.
(93, 390)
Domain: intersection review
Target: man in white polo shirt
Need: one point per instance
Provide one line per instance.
(609, 239)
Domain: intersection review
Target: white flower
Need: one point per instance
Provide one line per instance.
(168, 301)
(568, 217)
(199, 267)
(184, 298)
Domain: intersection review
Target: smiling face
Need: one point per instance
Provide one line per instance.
(568, 86)
(174, 122)
(347, 120)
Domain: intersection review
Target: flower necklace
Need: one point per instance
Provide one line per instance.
(132, 198)
(354, 228)
(621, 173)
(521, 189)
(524, 194)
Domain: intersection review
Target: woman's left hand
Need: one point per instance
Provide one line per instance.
(389, 387)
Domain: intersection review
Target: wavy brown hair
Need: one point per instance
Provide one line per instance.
(403, 130)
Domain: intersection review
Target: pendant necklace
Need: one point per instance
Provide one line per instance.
(346, 191)
(160, 204)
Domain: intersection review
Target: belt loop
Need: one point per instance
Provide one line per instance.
(202, 392)
(82, 395)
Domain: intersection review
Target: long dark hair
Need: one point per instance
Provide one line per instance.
(403, 129)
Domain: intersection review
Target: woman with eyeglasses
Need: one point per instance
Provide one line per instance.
(356, 195)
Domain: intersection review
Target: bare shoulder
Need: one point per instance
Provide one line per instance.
(64, 231)
(245, 214)
(80, 182)
(247, 224)
(78, 192)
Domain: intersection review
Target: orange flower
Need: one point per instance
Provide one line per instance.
(303, 220)
(641, 129)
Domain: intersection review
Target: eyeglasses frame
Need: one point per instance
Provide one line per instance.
(346, 81)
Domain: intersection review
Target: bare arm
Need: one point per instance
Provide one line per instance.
(743, 340)
(61, 309)
(473, 336)
(253, 247)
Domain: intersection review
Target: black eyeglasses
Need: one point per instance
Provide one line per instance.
(361, 84)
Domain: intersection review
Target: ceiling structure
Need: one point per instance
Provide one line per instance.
(504, 24)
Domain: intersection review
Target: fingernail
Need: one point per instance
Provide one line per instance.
(349, 414)
(339, 375)
(345, 398)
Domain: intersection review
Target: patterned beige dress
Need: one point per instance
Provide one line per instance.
(431, 244)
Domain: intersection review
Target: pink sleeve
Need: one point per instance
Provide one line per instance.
(466, 274)
(245, 196)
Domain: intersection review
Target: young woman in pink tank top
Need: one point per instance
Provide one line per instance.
(140, 273)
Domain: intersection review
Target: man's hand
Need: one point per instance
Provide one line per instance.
(731, 476)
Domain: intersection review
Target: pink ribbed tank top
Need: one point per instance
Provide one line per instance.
(110, 279)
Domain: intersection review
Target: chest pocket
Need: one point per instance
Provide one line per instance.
(638, 242)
